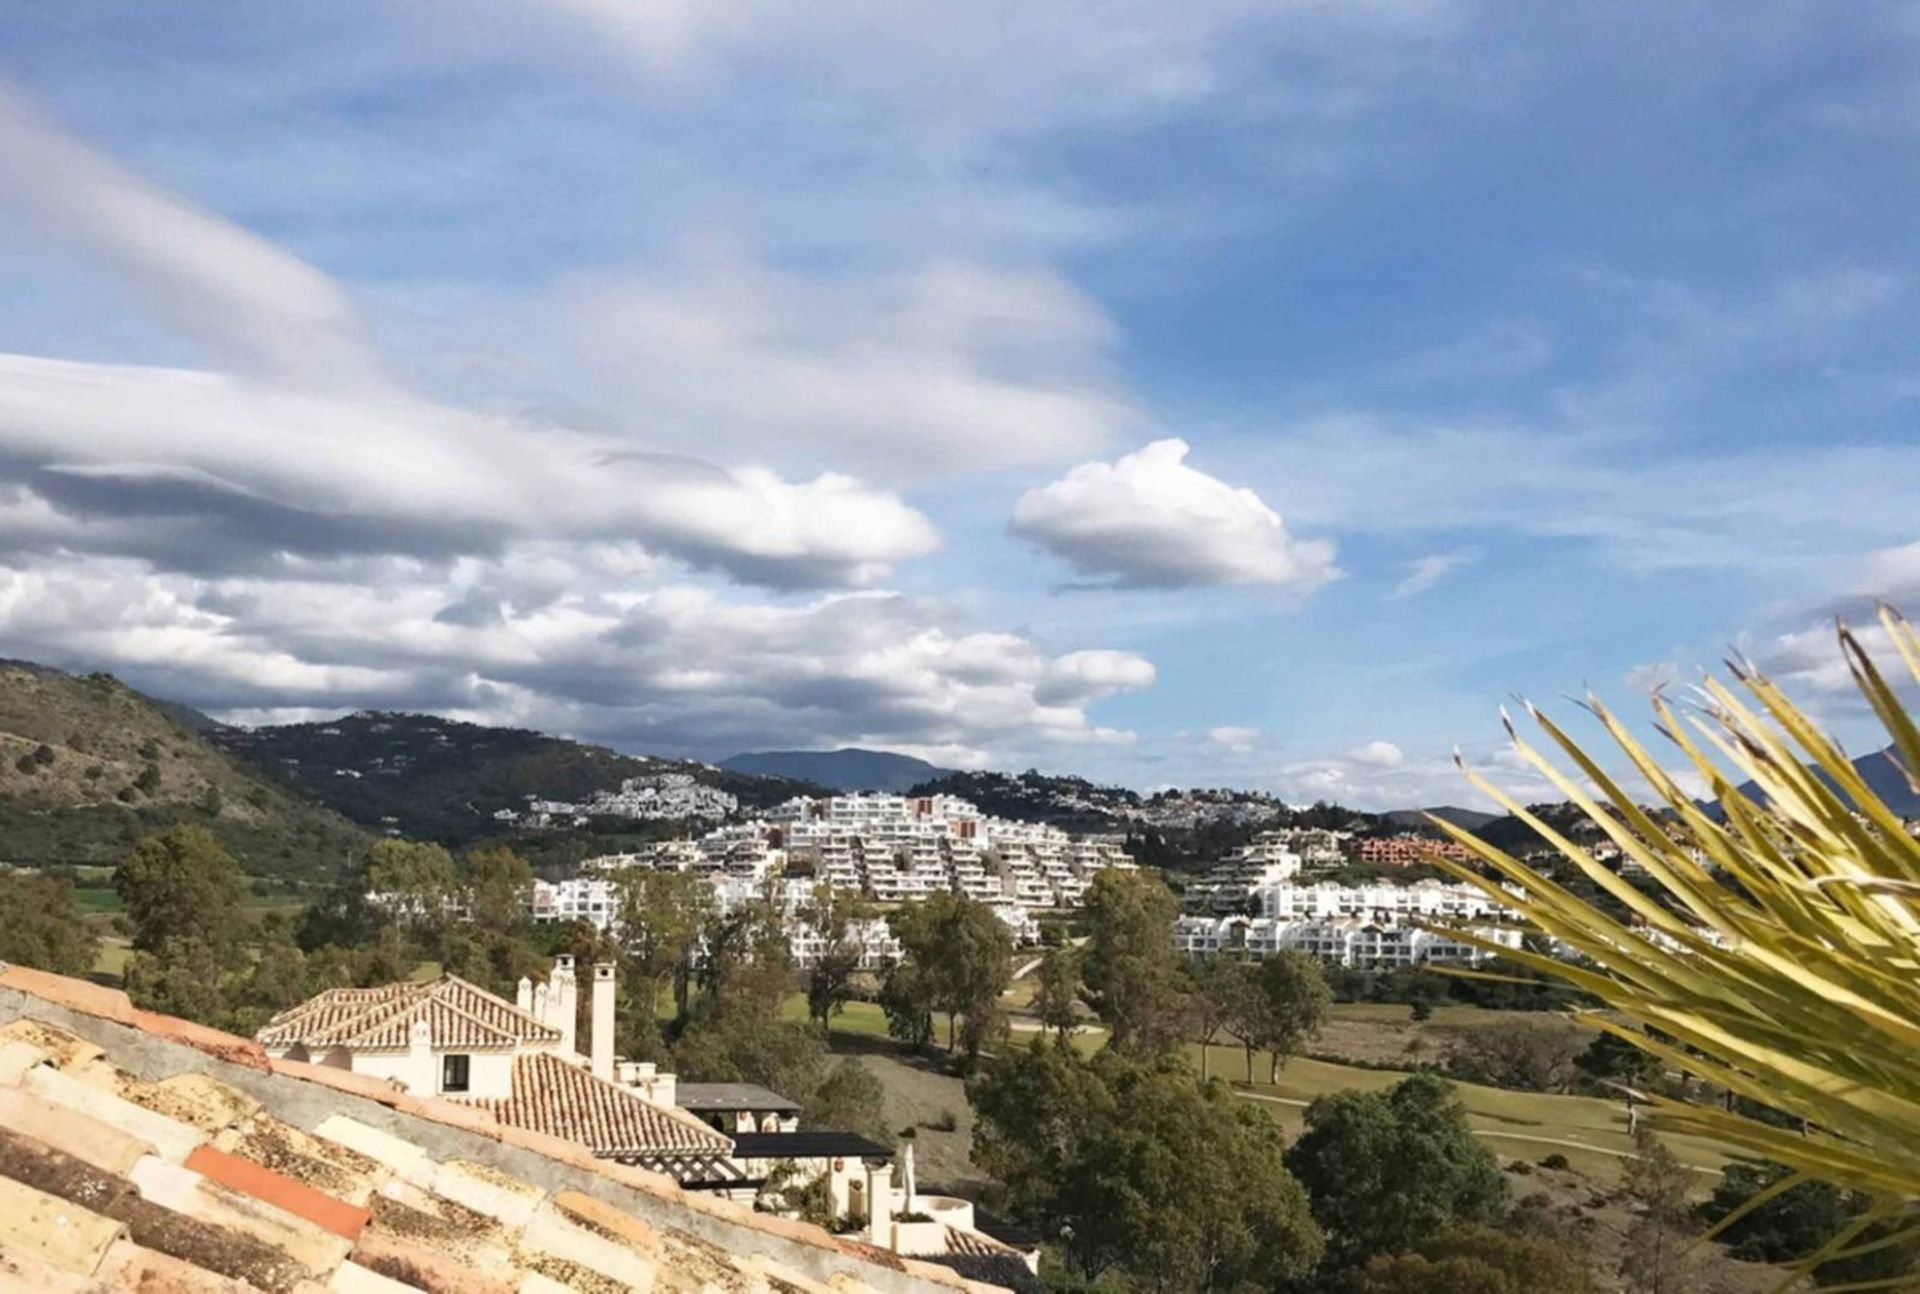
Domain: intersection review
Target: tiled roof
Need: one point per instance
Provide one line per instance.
(732, 1096)
(961, 1241)
(458, 1014)
(138, 1151)
(563, 1100)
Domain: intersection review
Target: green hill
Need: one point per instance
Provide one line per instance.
(439, 779)
(849, 769)
(88, 766)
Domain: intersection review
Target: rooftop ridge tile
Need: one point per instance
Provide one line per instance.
(701, 1230)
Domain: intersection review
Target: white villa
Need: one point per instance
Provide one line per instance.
(516, 1060)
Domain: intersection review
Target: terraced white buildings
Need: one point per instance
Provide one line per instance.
(893, 849)
(1342, 941)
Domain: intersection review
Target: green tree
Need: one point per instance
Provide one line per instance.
(1796, 1223)
(414, 881)
(1388, 1170)
(185, 976)
(1277, 1005)
(1480, 1260)
(41, 926)
(957, 954)
(1655, 1258)
(1216, 987)
(748, 963)
(181, 885)
(1133, 1166)
(662, 916)
(907, 1000)
(1056, 994)
(849, 1099)
(1132, 970)
(833, 915)
(1528, 1055)
(1611, 1059)
(496, 886)
(1418, 1274)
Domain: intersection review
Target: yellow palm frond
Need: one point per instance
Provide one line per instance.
(1776, 950)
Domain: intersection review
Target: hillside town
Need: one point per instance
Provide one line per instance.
(653, 797)
(895, 850)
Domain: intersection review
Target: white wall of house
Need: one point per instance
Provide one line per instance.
(489, 1073)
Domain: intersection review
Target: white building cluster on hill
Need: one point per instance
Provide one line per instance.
(1255, 904)
(893, 849)
(1344, 941)
(652, 797)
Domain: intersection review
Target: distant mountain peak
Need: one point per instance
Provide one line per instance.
(850, 768)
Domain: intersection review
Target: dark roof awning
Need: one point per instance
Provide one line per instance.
(806, 1145)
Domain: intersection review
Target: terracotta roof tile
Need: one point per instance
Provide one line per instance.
(552, 1096)
(288, 1193)
(243, 1175)
(457, 1013)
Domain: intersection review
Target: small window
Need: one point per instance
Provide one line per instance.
(453, 1073)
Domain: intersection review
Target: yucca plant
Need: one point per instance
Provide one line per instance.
(1781, 958)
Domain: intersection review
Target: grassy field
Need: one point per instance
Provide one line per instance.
(92, 899)
(1590, 1132)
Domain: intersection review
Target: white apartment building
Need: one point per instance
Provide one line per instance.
(1346, 941)
(892, 848)
(1382, 902)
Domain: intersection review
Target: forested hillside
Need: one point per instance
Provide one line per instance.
(439, 779)
(88, 766)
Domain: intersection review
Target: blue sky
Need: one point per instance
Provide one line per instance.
(1215, 393)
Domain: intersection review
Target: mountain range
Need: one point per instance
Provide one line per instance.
(847, 769)
(429, 778)
(88, 765)
(1883, 775)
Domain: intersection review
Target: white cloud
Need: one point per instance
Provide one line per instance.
(1378, 754)
(1361, 779)
(241, 297)
(1742, 508)
(1238, 740)
(672, 668)
(204, 469)
(1425, 572)
(1148, 520)
(947, 367)
(311, 454)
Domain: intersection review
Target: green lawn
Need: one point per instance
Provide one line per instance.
(97, 899)
(860, 1019)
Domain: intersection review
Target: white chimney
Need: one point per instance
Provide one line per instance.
(523, 994)
(602, 1039)
(563, 1003)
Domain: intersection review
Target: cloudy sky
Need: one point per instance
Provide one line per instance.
(1216, 392)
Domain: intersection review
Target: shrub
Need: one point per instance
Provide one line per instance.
(1556, 1161)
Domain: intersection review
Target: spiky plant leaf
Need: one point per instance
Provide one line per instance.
(1780, 958)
